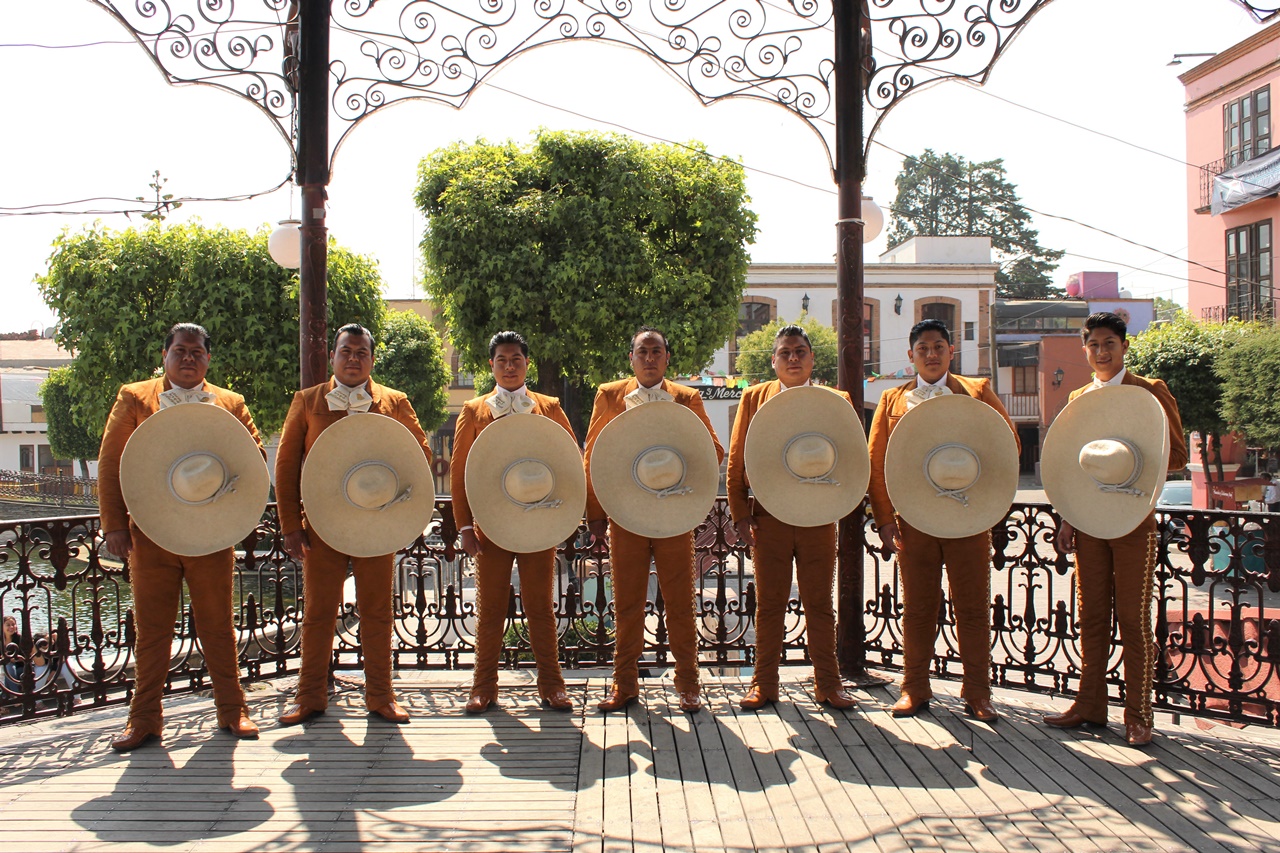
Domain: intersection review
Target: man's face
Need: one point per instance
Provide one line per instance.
(1105, 351)
(649, 358)
(509, 366)
(186, 361)
(352, 358)
(792, 360)
(931, 355)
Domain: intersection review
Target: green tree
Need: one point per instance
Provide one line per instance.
(67, 438)
(1246, 370)
(948, 196)
(1183, 353)
(117, 293)
(576, 240)
(1167, 310)
(755, 351)
(410, 358)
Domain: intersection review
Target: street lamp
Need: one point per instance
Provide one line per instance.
(1178, 57)
(1057, 377)
(804, 304)
(897, 304)
(872, 219)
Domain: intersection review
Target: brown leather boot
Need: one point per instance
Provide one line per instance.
(757, 697)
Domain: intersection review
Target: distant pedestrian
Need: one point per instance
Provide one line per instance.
(1271, 494)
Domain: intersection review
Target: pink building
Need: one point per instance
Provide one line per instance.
(1232, 202)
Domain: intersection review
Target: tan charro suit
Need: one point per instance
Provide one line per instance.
(493, 564)
(156, 575)
(1118, 575)
(324, 570)
(968, 562)
(630, 554)
(777, 544)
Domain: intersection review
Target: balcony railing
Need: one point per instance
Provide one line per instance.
(48, 489)
(1024, 406)
(1247, 310)
(1208, 172)
(1217, 614)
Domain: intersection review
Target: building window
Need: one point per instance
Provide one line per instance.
(1249, 294)
(37, 414)
(968, 331)
(1246, 127)
(940, 311)
(752, 317)
(461, 378)
(27, 458)
(1024, 379)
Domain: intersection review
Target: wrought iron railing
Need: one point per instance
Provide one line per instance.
(1021, 405)
(1217, 612)
(48, 489)
(1208, 172)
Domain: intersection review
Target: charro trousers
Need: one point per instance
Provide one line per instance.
(814, 552)
(968, 562)
(493, 597)
(324, 571)
(1116, 575)
(156, 576)
(629, 555)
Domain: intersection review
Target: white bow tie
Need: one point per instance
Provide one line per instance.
(643, 395)
(352, 400)
(508, 403)
(178, 396)
(926, 392)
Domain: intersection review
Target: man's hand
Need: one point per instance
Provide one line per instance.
(890, 539)
(470, 542)
(120, 543)
(746, 530)
(297, 545)
(1065, 541)
(599, 528)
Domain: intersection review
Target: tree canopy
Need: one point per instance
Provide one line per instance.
(67, 438)
(1183, 353)
(755, 351)
(948, 196)
(117, 293)
(1245, 369)
(410, 358)
(579, 238)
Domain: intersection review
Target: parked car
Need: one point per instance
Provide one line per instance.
(1175, 495)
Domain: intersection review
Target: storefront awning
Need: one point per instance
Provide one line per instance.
(1249, 181)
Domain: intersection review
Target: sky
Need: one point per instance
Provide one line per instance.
(1082, 108)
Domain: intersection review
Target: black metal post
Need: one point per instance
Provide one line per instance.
(313, 176)
(851, 38)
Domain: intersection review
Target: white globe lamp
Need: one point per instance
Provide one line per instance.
(285, 244)
(872, 219)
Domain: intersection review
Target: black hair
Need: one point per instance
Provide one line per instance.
(1104, 320)
(188, 329)
(354, 329)
(928, 326)
(792, 331)
(645, 329)
(508, 337)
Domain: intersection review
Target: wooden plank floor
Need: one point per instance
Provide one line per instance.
(795, 776)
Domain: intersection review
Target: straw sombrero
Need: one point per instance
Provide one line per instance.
(1105, 459)
(655, 471)
(525, 483)
(193, 479)
(807, 457)
(367, 487)
(951, 467)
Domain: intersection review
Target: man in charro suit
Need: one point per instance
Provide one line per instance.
(1117, 575)
(349, 392)
(156, 575)
(509, 361)
(631, 553)
(777, 543)
(922, 556)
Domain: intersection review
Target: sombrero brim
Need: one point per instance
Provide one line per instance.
(178, 527)
(952, 419)
(512, 526)
(1117, 412)
(786, 497)
(350, 529)
(624, 439)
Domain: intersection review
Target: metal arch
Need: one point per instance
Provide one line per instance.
(1260, 10)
